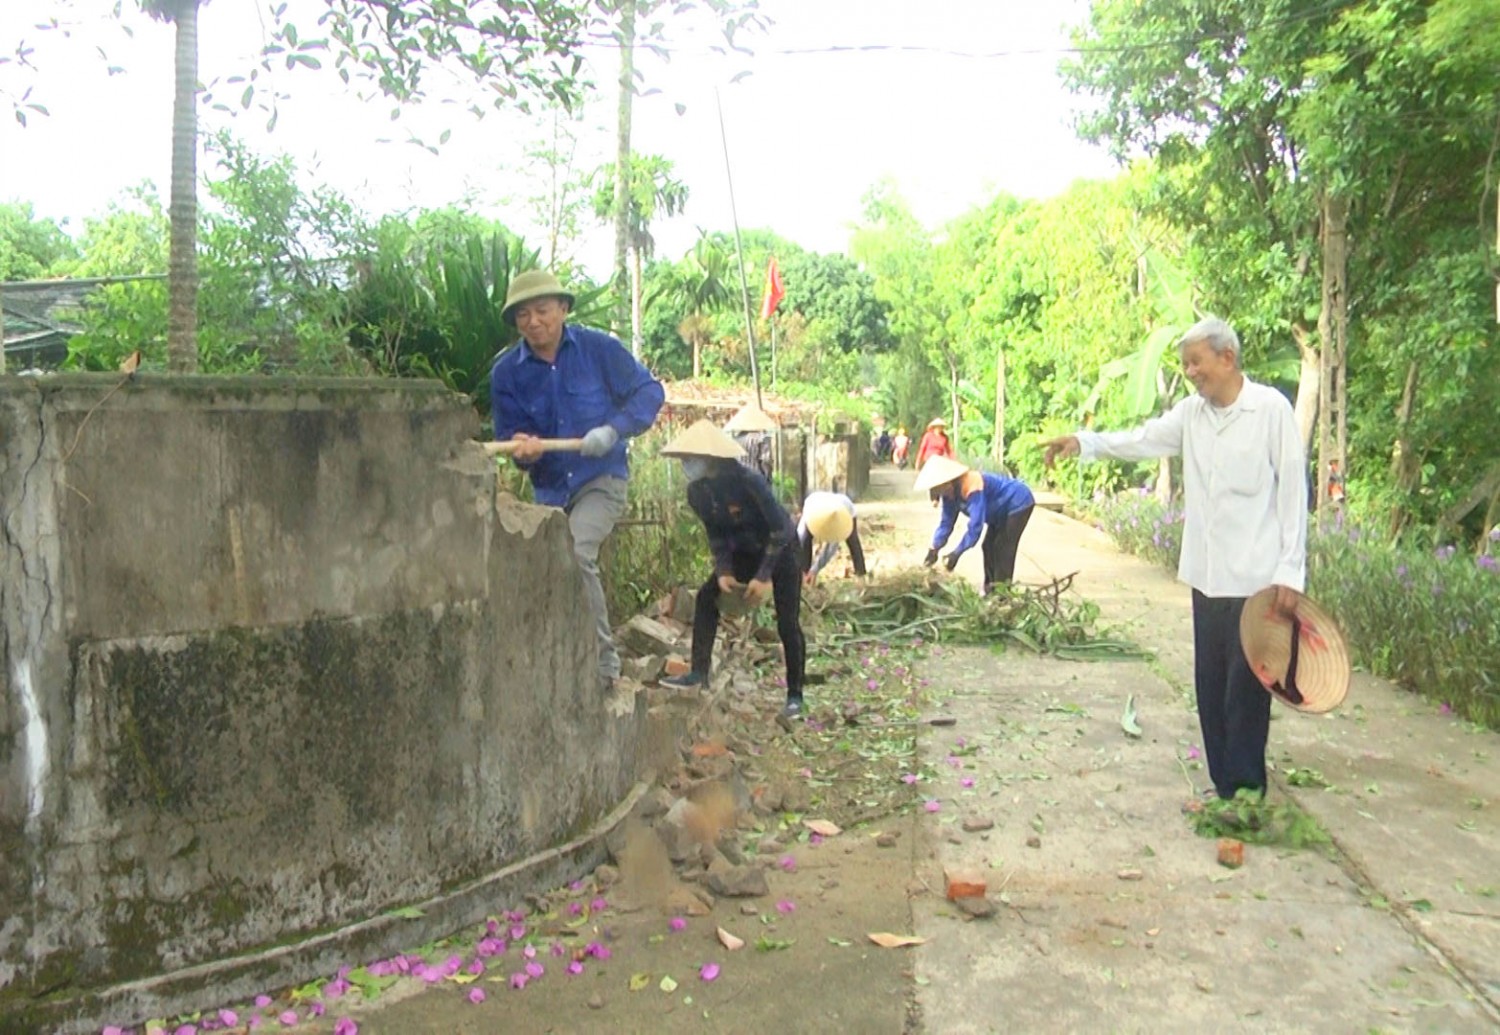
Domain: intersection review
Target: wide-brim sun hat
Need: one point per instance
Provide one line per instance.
(751, 418)
(1302, 659)
(704, 438)
(938, 470)
(529, 286)
(827, 520)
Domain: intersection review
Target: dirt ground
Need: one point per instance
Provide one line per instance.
(1111, 914)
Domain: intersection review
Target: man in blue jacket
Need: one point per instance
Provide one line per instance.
(997, 506)
(566, 381)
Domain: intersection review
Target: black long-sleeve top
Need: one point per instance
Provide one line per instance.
(742, 518)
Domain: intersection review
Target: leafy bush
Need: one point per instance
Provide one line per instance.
(1427, 619)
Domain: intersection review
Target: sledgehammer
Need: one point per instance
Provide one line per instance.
(547, 445)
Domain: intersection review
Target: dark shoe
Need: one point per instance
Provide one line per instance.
(686, 681)
(791, 714)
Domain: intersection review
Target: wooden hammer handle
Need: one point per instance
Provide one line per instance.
(548, 445)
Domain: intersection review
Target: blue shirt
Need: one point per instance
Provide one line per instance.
(999, 499)
(594, 380)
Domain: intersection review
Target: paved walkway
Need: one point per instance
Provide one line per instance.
(1115, 917)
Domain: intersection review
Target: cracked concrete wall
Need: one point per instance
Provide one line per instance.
(274, 657)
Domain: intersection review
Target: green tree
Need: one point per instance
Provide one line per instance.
(693, 291)
(30, 247)
(652, 192)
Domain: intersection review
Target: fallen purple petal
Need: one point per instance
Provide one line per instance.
(517, 932)
(575, 908)
(228, 1018)
(346, 1026)
(599, 905)
(529, 952)
(492, 926)
(558, 949)
(575, 968)
(815, 839)
(709, 971)
(186, 1029)
(788, 863)
(262, 1001)
(961, 742)
(577, 885)
(255, 1021)
(477, 967)
(785, 906)
(518, 980)
(515, 916)
(486, 948)
(534, 970)
(954, 761)
(967, 781)
(677, 923)
(909, 778)
(872, 684)
(598, 951)
(476, 996)
(335, 988)
(111, 1029)
(933, 805)
(288, 1018)
(315, 1009)
(453, 964)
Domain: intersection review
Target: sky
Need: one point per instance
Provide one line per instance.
(950, 107)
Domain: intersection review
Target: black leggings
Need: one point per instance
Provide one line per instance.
(1001, 541)
(786, 594)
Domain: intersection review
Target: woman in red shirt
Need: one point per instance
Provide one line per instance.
(935, 442)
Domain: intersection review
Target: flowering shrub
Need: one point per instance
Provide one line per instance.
(1427, 619)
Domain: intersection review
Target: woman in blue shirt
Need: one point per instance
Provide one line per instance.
(995, 505)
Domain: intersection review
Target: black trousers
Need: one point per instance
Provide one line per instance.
(1234, 710)
(1001, 541)
(786, 595)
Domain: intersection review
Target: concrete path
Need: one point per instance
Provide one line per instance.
(1114, 915)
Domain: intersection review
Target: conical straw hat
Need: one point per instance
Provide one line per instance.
(1322, 675)
(704, 439)
(937, 422)
(826, 519)
(751, 418)
(938, 470)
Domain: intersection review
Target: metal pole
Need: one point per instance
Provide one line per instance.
(739, 255)
(773, 352)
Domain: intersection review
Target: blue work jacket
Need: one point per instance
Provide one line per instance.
(989, 499)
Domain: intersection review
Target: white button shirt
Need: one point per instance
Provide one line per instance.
(1244, 487)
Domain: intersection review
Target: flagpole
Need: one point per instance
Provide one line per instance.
(739, 254)
(773, 352)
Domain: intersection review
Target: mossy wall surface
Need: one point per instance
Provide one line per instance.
(273, 658)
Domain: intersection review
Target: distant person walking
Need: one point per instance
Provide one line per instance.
(900, 446)
(935, 442)
(1245, 494)
(997, 506)
(566, 381)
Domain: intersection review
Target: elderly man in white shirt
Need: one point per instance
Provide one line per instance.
(1245, 528)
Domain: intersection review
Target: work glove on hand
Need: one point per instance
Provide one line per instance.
(599, 441)
(930, 559)
(951, 561)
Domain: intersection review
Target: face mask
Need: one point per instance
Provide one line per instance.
(695, 467)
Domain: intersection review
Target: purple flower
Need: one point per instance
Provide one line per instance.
(262, 1000)
(933, 805)
(335, 988)
(186, 1029)
(1495, 534)
(345, 1026)
(815, 839)
(575, 968)
(315, 1009)
(709, 971)
(517, 932)
(518, 980)
(515, 916)
(575, 908)
(557, 949)
(228, 1018)
(677, 923)
(486, 948)
(967, 781)
(872, 684)
(785, 906)
(288, 1018)
(476, 996)
(577, 885)
(598, 950)
(788, 864)
(529, 952)
(599, 905)
(477, 967)
(1444, 552)
(909, 778)
(534, 969)
(1488, 563)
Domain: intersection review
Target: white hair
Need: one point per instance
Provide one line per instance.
(1214, 333)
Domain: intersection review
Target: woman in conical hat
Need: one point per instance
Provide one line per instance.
(827, 519)
(998, 507)
(935, 442)
(751, 538)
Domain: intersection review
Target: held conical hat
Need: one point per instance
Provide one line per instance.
(826, 518)
(1313, 676)
(751, 418)
(938, 470)
(704, 439)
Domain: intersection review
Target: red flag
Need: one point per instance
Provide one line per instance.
(774, 293)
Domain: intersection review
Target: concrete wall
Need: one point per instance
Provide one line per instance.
(273, 657)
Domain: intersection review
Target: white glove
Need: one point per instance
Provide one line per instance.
(599, 441)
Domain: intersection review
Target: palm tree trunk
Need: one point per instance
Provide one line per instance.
(182, 270)
(626, 36)
(635, 303)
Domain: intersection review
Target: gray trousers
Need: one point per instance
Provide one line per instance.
(592, 513)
